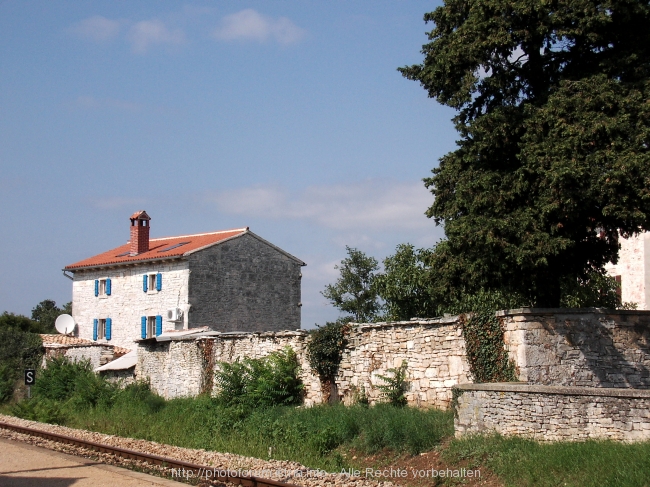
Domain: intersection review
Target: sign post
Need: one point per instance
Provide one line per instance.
(30, 379)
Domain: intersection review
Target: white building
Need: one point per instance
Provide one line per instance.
(231, 280)
(633, 270)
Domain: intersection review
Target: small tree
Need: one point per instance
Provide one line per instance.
(355, 291)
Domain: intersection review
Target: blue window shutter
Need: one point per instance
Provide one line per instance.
(158, 325)
(96, 287)
(109, 322)
(143, 330)
(144, 282)
(158, 281)
(95, 321)
(108, 287)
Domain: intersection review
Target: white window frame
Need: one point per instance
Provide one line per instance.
(101, 328)
(151, 283)
(151, 326)
(102, 288)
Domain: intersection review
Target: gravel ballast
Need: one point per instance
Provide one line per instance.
(284, 471)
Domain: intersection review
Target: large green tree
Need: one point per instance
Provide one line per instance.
(552, 162)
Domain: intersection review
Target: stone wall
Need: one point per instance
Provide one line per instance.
(434, 351)
(583, 347)
(98, 355)
(548, 413)
(244, 284)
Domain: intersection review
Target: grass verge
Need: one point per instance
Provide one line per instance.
(520, 462)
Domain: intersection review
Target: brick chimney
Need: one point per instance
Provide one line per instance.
(139, 232)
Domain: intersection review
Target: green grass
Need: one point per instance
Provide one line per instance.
(522, 463)
(312, 436)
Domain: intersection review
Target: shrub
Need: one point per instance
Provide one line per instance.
(18, 350)
(394, 388)
(325, 352)
(66, 380)
(40, 409)
(269, 381)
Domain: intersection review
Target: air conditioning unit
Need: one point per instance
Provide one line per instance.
(174, 314)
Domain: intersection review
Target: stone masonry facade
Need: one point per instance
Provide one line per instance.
(434, 351)
(244, 284)
(128, 302)
(547, 413)
(581, 347)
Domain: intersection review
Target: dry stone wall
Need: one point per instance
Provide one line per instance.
(97, 355)
(548, 413)
(434, 351)
(582, 347)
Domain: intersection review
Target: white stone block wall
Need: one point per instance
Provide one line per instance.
(76, 353)
(634, 268)
(128, 302)
(597, 348)
(547, 413)
(434, 351)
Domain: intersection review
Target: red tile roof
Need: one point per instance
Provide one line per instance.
(54, 339)
(158, 249)
(64, 340)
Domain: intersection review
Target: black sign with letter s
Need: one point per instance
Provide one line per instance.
(30, 377)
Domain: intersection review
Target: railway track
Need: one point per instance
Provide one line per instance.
(197, 471)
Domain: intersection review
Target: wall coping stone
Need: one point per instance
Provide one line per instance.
(76, 345)
(405, 324)
(568, 311)
(522, 387)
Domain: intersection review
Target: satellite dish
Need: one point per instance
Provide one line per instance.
(64, 324)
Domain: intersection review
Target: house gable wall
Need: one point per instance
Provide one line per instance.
(244, 284)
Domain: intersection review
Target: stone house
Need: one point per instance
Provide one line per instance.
(632, 271)
(231, 280)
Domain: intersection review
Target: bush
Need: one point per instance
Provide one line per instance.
(66, 380)
(394, 388)
(264, 382)
(19, 350)
(40, 409)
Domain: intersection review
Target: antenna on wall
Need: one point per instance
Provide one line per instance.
(64, 324)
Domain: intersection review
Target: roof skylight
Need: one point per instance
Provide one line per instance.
(173, 247)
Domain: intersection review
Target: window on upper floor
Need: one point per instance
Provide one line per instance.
(152, 282)
(103, 287)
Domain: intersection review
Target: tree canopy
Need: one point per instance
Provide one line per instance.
(552, 163)
(46, 312)
(354, 292)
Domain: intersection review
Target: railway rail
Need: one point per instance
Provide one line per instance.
(198, 471)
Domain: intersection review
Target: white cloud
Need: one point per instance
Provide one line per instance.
(147, 33)
(97, 28)
(87, 102)
(365, 206)
(249, 24)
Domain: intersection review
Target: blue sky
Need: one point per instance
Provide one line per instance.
(287, 117)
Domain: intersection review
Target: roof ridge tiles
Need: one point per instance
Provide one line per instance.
(243, 229)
